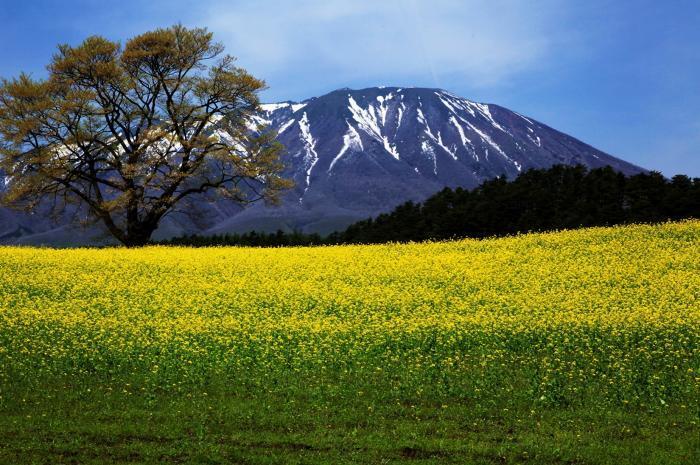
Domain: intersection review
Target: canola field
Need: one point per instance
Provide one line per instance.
(602, 318)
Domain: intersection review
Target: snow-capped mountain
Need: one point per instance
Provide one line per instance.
(356, 153)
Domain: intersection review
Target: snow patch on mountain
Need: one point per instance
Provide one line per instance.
(485, 137)
(436, 138)
(537, 141)
(270, 107)
(484, 110)
(518, 114)
(428, 150)
(453, 103)
(286, 126)
(255, 122)
(383, 107)
(351, 141)
(460, 130)
(400, 110)
(368, 122)
(311, 157)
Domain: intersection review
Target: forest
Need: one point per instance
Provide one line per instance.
(560, 197)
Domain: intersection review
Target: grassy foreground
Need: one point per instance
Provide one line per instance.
(578, 347)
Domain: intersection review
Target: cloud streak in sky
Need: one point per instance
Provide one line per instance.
(485, 42)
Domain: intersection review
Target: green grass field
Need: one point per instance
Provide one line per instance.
(576, 347)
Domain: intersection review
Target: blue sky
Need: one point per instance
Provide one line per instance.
(621, 75)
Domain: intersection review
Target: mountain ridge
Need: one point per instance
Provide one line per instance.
(357, 153)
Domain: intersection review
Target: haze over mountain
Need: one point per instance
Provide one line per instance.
(357, 153)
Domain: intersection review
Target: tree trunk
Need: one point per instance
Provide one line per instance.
(138, 234)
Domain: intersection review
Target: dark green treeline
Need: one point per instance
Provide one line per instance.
(561, 197)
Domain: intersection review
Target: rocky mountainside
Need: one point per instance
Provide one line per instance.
(356, 153)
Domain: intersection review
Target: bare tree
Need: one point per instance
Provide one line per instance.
(128, 133)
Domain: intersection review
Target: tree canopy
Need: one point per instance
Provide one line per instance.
(129, 133)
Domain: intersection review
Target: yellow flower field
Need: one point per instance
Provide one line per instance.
(611, 314)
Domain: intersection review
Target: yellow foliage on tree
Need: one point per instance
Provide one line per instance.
(128, 133)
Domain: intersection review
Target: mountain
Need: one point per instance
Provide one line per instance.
(356, 153)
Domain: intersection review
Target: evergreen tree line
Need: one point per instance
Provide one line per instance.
(561, 197)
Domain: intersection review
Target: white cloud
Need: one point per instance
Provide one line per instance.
(484, 42)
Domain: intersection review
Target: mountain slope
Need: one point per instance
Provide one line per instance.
(356, 153)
